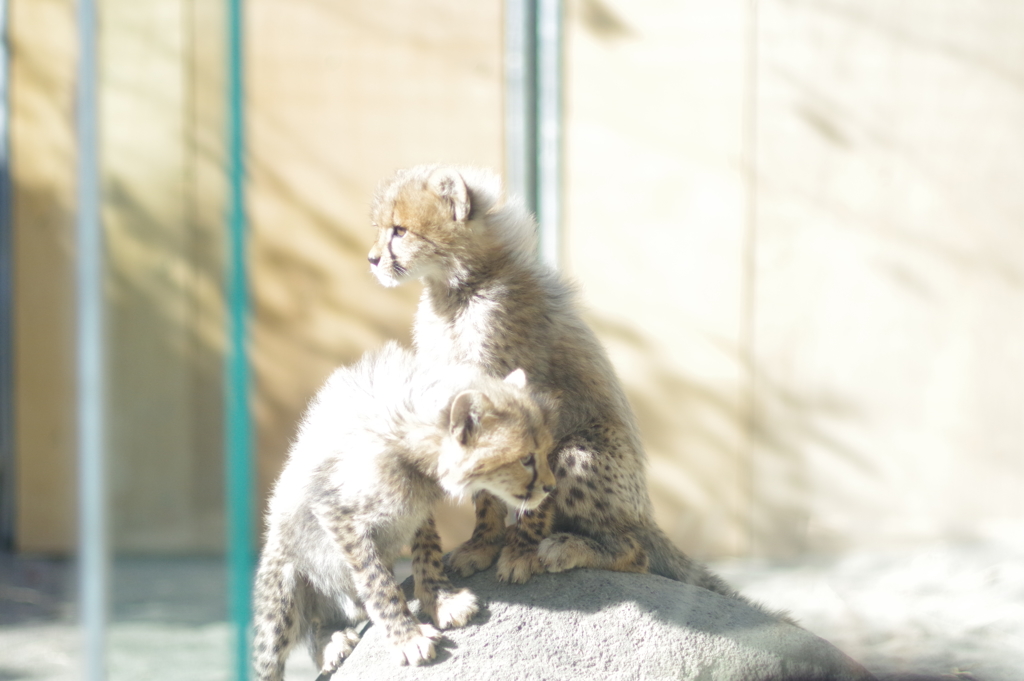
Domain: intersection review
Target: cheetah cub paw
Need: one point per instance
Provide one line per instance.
(560, 552)
(517, 564)
(419, 648)
(472, 557)
(454, 608)
(340, 646)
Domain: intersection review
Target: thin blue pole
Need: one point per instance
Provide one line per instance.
(238, 429)
(91, 393)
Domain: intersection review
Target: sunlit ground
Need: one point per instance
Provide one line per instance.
(955, 609)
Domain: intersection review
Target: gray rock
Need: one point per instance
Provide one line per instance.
(597, 625)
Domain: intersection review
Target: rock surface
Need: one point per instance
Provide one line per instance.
(596, 625)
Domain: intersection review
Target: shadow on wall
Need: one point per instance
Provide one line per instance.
(165, 340)
(42, 153)
(314, 306)
(43, 343)
(725, 481)
(317, 142)
(161, 127)
(366, 89)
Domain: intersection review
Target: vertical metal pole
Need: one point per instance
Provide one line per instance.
(549, 133)
(6, 304)
(533, 114)
(521, 101)
(91, 392)
(238, 430)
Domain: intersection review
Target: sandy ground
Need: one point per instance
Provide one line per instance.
(952, 611)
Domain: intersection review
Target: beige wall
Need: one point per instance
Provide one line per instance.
(824, 354)
(807, 268)
(161, 131)
(338, 97)
(655, 235)
(890, 270)
(42, 169)
(160, 94)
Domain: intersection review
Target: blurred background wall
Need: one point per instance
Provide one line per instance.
(796, 225)
(800, 231)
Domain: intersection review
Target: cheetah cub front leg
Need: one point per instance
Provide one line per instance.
(481, 550)
(447, 606)
(383, 599)
(520, 559)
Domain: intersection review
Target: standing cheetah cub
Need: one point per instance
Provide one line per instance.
(380, 444)
(488, 301)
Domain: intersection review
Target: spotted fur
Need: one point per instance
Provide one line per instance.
(488, 301)
(380, 444)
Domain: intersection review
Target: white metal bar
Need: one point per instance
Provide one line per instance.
(520, 101)
(549, 124)
(91, 393)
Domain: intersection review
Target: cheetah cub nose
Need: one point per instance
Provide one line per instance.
(548, 489)
(374, 259)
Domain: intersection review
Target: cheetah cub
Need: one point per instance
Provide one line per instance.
(379, 445)
(488, 301)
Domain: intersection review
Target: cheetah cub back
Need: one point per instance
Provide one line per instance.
(379, 445)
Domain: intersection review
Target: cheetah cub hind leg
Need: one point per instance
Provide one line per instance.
(520, 559)
(563, 551)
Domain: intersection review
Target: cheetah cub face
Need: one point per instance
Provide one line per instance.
(499, 442)
(420, 216)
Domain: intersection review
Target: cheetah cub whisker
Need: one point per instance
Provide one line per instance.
(379, 445)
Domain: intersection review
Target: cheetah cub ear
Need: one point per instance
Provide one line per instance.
(467, 415)
(449, 186)
(517, 378)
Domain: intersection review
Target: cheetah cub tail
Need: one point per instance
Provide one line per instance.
(667, 560)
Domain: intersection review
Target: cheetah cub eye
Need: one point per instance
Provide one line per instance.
(528, 461)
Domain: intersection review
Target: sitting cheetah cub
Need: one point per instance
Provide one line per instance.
(379, 445)
(488, 301)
